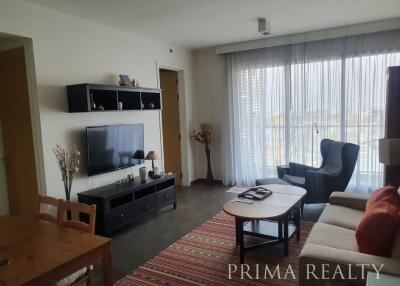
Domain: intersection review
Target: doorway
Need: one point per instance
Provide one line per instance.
(18, 145)
(170, 123)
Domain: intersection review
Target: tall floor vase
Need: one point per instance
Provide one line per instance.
(210, 178)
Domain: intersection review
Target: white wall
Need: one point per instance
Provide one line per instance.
(210, 84)
(70, 50)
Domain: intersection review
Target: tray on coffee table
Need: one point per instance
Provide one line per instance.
(256, 193)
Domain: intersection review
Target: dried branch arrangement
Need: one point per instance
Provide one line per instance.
(205, 134)
(204, 137)
(68, 162)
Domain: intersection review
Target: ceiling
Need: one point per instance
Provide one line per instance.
(7, 38)
(204, 23)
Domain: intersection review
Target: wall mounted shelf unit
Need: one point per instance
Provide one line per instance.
(88, 97)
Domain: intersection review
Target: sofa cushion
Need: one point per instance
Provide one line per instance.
(333, 236)
(357, 201)
(377, 230)
(341, 216)
(388, 194)
(330, 258)
(396, 246)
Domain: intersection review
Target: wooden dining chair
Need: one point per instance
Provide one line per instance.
(83, 218)
(78, 216)
(49, 209)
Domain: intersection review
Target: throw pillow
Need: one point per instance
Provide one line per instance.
(388, 193)
(377, 230)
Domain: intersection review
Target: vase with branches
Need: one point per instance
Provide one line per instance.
(204, 136)
(68, 162)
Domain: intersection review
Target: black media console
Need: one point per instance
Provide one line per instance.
(119, 205)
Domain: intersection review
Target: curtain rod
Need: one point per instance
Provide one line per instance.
(345, 31)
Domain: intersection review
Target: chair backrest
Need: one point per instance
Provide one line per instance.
(350, 156)
(78, 216)
(331, 156)
(49, 209)
(339, 158)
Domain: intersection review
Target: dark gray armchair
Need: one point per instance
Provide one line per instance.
(338, 162)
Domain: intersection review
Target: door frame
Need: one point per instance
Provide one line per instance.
(183, 122)
(3, 175)
(27, 44)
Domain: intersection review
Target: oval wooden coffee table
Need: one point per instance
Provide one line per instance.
(275, 218)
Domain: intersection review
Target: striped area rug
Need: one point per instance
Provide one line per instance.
(202, 257)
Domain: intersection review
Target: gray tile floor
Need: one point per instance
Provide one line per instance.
(196, 204)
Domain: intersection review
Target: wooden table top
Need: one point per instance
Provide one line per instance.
(37, 247)
(283, 198)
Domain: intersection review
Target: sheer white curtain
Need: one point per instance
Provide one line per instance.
(278, 97)
(256, 123)
(365, 103)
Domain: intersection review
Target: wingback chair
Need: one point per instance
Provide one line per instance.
(338, 162)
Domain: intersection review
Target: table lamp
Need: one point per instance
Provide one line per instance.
(139, 155)
(152, 155)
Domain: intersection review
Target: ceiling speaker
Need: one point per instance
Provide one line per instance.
(264, 26)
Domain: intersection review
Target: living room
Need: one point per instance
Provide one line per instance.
(199, 142)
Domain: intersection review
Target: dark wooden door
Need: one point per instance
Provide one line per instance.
(170, 119)
(4, 208)
(17, 134)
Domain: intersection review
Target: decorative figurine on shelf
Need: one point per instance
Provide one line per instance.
(152, 155)
(143, 174)
(129, 177)
(93, 105)
(204, 137)
(68, 162)
(100, 107)
(124, 80)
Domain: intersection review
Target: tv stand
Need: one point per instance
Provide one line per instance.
(120, 205)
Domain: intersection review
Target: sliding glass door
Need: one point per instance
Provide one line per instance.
(283, 111)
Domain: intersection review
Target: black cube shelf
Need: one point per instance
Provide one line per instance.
(88, 97)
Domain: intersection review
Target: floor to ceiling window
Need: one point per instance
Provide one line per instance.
(285, 100)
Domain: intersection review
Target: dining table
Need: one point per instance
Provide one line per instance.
(37, 252)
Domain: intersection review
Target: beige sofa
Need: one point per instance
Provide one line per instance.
(331, 246)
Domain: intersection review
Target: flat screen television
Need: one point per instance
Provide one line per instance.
(114, 147)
